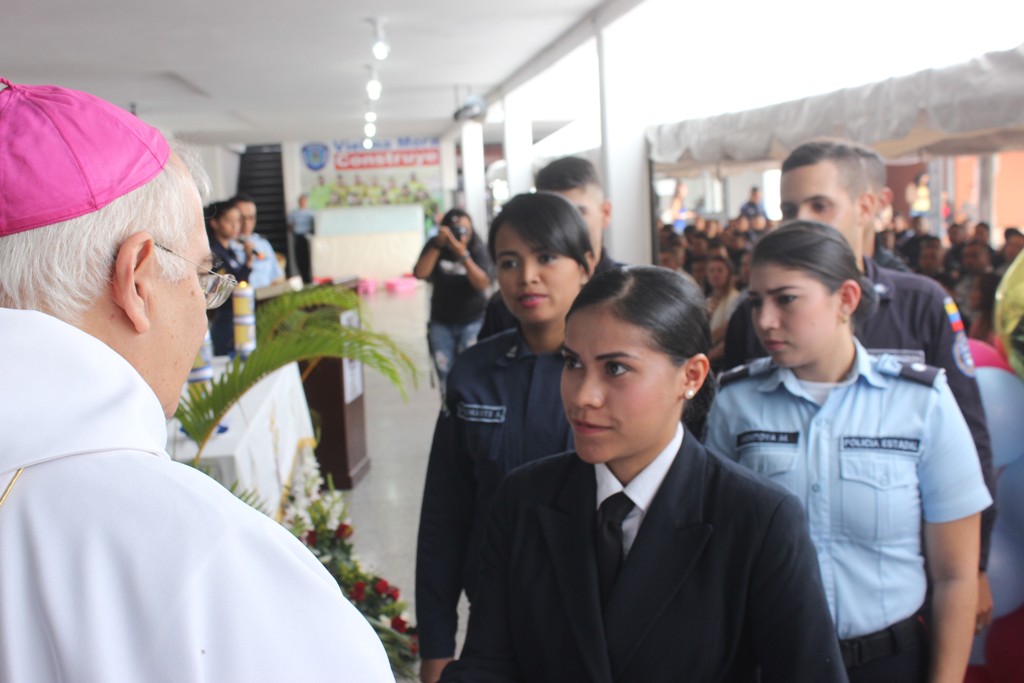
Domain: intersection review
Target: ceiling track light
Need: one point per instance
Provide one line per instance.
(370, 130)
(373, 86)
(371, 117)
(381, 47)
(367, 143)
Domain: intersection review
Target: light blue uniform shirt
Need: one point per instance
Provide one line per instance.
(265, 269)
(880, 455)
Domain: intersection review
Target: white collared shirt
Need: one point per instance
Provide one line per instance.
(641, 490)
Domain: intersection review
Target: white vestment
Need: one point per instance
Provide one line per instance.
(118, 565)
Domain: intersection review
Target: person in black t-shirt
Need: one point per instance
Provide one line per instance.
(456, 263)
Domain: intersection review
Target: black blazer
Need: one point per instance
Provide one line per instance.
(722, 579)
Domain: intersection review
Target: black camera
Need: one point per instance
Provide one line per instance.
(458, 231)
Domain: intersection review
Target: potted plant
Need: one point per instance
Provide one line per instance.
(296, 326)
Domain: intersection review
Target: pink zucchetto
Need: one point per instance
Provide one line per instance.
(65, 153)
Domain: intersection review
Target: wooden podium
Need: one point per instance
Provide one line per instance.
(341, 450)
(342, 447)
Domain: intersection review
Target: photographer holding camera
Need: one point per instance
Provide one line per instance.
(456, 263)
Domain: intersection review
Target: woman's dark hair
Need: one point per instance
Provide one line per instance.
(727, 262)
(547, 222)
(452, 215)
(215, 210)
(820, 251)
(670, 307)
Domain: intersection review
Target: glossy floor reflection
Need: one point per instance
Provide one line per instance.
(385, 504)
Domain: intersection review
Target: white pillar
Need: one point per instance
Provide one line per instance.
(222, 164)
(518, 145)
(624, 150)
(291, 174)
(449, 173)
(986, 190)
(474, 181)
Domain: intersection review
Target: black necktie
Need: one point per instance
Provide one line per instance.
(608, 539)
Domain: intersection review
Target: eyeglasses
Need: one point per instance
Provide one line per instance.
(216, 287)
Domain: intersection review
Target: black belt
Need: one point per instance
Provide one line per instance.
(885, 643)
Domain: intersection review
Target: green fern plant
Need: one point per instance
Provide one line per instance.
(297, 326)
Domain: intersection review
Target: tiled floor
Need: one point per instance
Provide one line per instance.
(385, 504)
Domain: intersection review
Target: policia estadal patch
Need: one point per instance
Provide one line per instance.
(880, 443)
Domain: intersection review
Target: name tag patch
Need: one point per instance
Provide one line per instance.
(747, 438)
(881, 443)
(471, 412)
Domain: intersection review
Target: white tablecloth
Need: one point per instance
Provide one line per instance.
(265, 430)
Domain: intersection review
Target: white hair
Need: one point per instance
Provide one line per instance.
(62, 268)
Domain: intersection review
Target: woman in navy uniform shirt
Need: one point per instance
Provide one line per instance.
(502, 407)
(878, 452)
(224, 225)
(641, 557)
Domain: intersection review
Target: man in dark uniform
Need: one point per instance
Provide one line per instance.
(837, 183)
(575, 179)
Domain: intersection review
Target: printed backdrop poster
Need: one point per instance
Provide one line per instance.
(404, 170)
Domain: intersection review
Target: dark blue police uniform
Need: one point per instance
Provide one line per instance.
(503, 409)
(222, 319)
(916, 321)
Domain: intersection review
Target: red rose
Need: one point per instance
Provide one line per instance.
(381, 586)
(311, 538)
(343, 532)
(393, 594)
(399, 624)
(358, 591)
(414, 646)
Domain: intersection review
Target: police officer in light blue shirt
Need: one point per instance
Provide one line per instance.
(265, 268)
(878, 451)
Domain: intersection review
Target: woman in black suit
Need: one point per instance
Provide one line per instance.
(709, 576)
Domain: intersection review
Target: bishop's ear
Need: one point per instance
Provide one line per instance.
(135, 273)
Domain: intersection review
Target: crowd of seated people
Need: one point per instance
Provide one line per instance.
(717, 258)
(964, 262)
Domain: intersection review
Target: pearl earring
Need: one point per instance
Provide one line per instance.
(689, 394)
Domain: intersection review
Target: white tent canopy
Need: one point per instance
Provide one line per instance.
(971, 108)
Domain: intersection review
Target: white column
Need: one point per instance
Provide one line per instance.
(291, 174)
(449, 172)
(624, 149)
(518, 145)
(221, 163)
(474, 182)
(986, 189)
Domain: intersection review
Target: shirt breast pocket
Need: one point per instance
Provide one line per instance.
(483, 440)
(775, 462)
(880, 497)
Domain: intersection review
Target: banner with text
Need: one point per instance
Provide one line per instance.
(404, 170)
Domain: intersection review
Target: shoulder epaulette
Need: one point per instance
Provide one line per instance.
(915, 372)
(751, 369)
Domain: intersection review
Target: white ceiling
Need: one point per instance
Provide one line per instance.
(256, 71)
